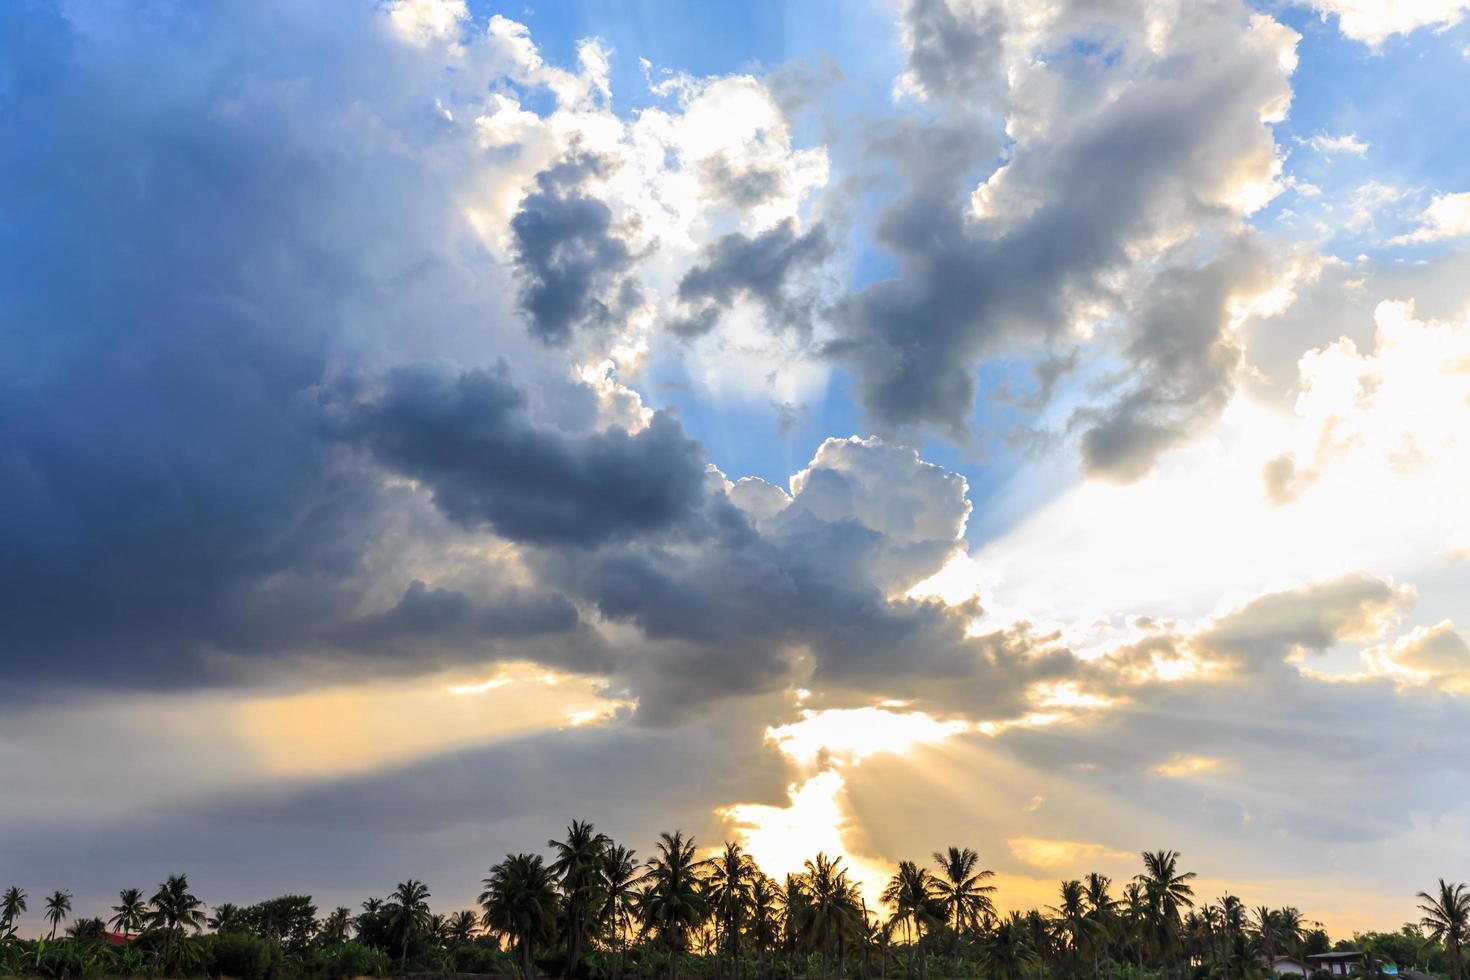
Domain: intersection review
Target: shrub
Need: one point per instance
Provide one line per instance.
(246, 957)
(351, 959)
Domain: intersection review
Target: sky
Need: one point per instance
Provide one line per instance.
(868, 426)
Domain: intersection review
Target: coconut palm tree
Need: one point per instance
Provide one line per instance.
(438, 928)
(337, 926)
(1289, 929)
(520, 903)
(730, 878)
(224, 918)
(677, 902)
(1447, 920)
(1009, 954)
(577, 867)
(1266, 932)
(961, 890)
(618, 875)
(175, 910)
(462, 926)
(765, 916)
(794, 901)
(1135, 919)
(58, 907)
(826, 909)
(408, 915)
(1103, 911)
(131, 911)
(1167, 890)
(911, 894)
(12, 904)
(833, 910)
(1074, 927)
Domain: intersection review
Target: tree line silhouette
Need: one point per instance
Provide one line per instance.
(594, 910)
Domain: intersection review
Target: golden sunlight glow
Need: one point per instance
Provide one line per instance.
(1058, 853)
(362, 728)
(479, 688)
(1067, 694)
(853, 734)
(781, 838)
(1181, 766)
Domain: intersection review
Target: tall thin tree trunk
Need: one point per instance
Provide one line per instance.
(574, 948)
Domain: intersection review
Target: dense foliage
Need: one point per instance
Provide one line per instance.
(595, 911)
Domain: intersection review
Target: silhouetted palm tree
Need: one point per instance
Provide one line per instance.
(1074, 928)
(1167, 890)
(337, 926)
(833, 910)
(520, 903)
(408, 914)
(1266, 930)
(765, 916)
(619, 874)
(676, 902)
(1447, 920)
(1232, 925)
(462, 926)
(794, 901)
(175, 910)
(1289, 929)
(1103, 911)
(578, 867)
(131, 911)
(911, 894)
(730, 878)
(226, 916)
(58, 907)
(12, 904)
(1009, 954)
(961, 890)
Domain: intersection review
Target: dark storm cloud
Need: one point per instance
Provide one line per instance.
(570, 260)
(810, 597)
(165, 307)
(766, 267)
(424, 610)
(206, 418)
(469, 438)
(190, 261)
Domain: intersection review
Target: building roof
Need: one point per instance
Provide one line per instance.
(1297, 960)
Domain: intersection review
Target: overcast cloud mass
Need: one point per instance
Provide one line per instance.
(556, 414)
